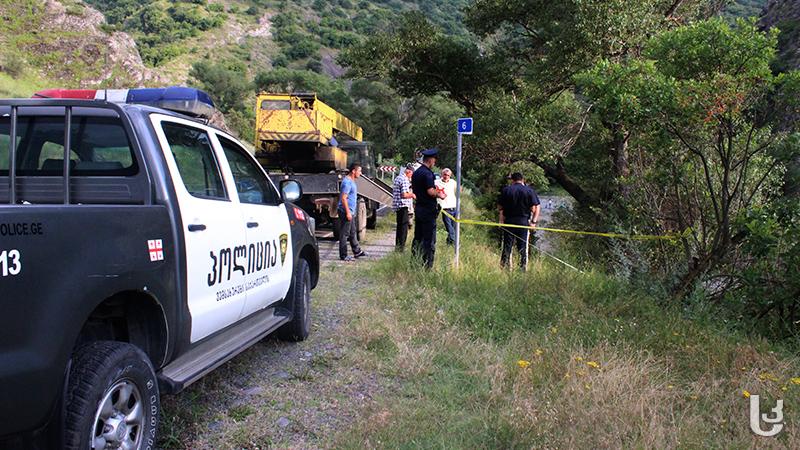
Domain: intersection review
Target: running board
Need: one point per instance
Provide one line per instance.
(217, 350)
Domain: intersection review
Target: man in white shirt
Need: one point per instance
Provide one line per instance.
(447, 185)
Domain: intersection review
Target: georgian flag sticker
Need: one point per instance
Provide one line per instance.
(156, 249)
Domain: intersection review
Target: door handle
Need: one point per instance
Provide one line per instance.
(197, 227)
(252, 224)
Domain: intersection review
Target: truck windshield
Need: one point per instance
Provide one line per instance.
(99, 147)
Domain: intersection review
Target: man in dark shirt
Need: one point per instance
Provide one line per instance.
(519, 205)
(426, 210)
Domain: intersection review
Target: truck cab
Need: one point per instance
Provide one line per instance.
(140, 248)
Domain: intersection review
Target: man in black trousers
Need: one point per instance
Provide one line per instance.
(425, 212)
(519, 205)
(403, 204)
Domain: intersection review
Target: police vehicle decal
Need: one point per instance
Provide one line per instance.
(10, 262)
(156, 249)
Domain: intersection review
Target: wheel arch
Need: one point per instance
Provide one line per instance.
(312, 257)
(135, 317)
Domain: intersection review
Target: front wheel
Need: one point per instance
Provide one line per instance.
(112, 398)
(299, 300)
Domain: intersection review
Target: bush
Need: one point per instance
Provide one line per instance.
(302, 49)
(12, 64)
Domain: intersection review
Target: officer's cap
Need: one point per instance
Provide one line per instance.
(431, 152)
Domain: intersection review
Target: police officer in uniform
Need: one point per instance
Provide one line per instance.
(519, 205)
(424, 188)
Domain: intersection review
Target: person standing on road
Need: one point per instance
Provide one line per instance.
(448, 204)
(424, 187)
(519, 205)
(402, 203)
(348, 201)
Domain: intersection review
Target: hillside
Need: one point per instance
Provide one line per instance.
(745, 8)
(138, 42)
(785, 14)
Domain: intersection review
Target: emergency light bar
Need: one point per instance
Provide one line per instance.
(190, 101)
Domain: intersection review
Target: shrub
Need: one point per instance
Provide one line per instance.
(12, 64)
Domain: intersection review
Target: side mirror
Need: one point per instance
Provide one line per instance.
(291, 191)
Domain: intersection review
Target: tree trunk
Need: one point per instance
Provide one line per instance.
(559, 174)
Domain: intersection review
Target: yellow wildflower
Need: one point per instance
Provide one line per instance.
(578, 358)
(784, 388)
(587, 386)
(745, 394)
(693, 397)
(581, 372)
(523, 364)
(566, 375)
(593, 364)
(670, 386)
(538, 352)
(796, 380)
(554, 330)
(675, 333)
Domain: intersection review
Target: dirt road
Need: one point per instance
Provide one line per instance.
(283, 395)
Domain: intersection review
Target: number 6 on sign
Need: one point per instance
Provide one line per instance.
(465, 126)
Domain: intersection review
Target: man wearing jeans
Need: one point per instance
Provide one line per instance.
(402, 202)
(348, 201)
(448, 203)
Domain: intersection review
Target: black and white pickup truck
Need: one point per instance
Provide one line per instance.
(138, 251)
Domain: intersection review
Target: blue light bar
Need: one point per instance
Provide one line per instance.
(193, 102)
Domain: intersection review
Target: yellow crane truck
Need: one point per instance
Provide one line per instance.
(299, 136)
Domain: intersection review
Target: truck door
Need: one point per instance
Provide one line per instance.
(212, 226)
(269, 245)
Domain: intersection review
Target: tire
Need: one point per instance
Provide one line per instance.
(299, 301)
(102, 376)
(362, 220)
(372, 219)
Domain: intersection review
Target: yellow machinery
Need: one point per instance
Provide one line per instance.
(300, 117)
(300, 136)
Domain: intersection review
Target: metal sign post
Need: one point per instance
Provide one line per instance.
(463, 126)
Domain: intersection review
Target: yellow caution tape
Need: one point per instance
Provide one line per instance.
(642, 237)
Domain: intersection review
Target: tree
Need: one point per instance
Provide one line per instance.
(704, 98)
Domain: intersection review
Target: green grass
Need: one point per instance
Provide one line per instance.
(22, 87)
(659, 376)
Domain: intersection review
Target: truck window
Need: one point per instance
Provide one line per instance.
(276, 105)
(197, 165)
(40, 147)
(251, 183)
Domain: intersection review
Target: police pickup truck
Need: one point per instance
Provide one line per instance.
(140, 248)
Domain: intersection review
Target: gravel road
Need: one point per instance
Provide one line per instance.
(286, 395)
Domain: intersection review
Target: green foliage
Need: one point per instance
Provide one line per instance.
(766, 291)
(744, 8)
(699, 110)
(159, 27)
(413, 56)
(12, 64)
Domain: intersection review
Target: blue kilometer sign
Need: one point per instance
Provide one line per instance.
(465, 126)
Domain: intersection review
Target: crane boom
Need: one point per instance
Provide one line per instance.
(300, 117)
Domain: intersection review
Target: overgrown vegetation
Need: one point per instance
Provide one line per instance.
(655, 116)
(554, 358)
(160, 27)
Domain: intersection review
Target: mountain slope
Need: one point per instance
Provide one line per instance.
(785, 14)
